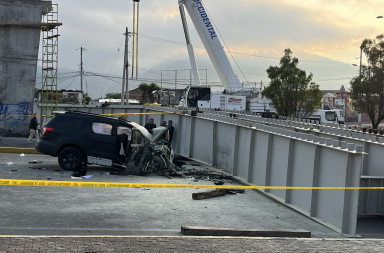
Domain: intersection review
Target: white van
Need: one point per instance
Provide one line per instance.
(328, 116)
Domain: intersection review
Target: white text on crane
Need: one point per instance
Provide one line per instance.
(205, 18)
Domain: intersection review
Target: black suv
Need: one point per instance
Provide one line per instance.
(77, 137)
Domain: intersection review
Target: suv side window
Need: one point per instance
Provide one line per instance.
(102, 128)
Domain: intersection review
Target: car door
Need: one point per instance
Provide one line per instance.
(100, 139)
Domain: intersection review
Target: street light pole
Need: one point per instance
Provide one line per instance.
(361, 57)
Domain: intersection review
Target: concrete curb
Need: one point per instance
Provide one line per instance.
(19, 150)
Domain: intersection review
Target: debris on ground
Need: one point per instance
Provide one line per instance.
(89, 176)
(234, 191)
(116, 174)
(215, 193)
(22, 154)
(219, 182)
(208, 194)
(10, 163)
(35, 168)
(204, 174)
(57, 170)
(76, 177)
(13, 170)
(2, 164)
(35, 162)
(178, 163)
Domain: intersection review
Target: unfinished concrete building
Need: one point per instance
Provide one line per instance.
(20, 30)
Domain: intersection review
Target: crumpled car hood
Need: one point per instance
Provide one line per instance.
(158, 133)
(143, 130)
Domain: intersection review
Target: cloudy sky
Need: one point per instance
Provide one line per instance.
(324, 34)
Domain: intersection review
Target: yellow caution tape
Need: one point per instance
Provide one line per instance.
(108, 114)
(142, 113)
(47, 183)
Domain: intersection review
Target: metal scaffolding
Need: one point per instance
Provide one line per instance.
(50, 53)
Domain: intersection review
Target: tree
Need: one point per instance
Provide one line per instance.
(146, 91)
(113, 95)
(87, 99)
(291, 90)
(367, 89)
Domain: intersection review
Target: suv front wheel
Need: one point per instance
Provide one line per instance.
(70, 158)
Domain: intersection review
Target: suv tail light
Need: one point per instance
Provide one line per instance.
(46, 130)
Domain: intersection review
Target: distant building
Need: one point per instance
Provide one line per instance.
(118, 101)
(330, 99)
(135, 94)
(64, 95)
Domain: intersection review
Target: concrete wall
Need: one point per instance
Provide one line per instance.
(19, 47)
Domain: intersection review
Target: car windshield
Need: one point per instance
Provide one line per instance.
(330, 116)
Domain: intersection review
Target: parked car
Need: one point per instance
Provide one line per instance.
(78, 137)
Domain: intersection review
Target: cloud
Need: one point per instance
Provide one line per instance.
(329, 28)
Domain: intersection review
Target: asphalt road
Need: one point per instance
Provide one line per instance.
(132, 211)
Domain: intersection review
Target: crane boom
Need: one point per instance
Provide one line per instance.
(191, 53)
(211, 42)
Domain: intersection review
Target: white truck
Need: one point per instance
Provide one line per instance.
(234, 97)
(328, 116)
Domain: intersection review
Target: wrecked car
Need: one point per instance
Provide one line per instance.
(79, 137)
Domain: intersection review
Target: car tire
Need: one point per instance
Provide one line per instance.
(70, 158)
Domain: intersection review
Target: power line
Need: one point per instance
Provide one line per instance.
(71, 82)
(112, 66)
(253, 55)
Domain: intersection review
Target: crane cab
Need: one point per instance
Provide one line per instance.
(196, 96)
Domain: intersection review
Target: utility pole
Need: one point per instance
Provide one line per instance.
(125, 71)
(126, 66)
(123, 84)
(81, 71)
(361, 57)
(135, 38)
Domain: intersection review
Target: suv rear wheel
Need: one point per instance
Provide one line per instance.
(70, 158)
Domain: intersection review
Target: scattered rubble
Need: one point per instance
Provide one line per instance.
(35, 162)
